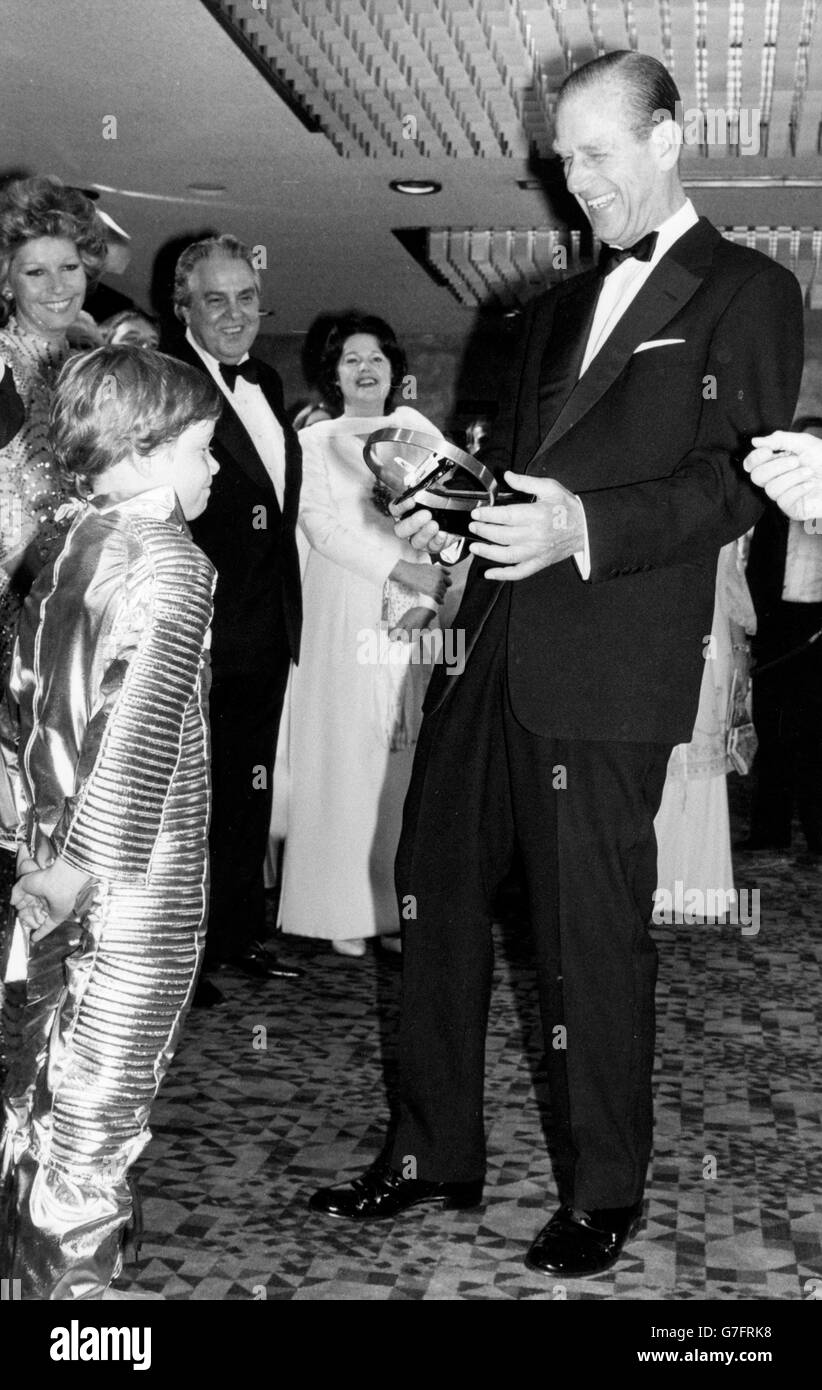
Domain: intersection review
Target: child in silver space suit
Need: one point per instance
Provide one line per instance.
(113, 794)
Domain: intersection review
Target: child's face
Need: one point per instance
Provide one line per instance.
(188, 467)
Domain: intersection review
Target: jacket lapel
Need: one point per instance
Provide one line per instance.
(674, 281)
(231, 434)
(559, 358)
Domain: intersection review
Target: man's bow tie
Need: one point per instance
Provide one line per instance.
(248, 370)
(612, 256)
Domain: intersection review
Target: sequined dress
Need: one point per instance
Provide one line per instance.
(31, 489)
(110, 675)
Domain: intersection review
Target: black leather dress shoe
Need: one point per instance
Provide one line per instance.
(583, 1242)
(380, 1193)
(259, 964)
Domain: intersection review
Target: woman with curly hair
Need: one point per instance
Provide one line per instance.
(52, 244)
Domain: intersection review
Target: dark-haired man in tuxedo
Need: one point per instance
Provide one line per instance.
(633, 399)
(248, 534)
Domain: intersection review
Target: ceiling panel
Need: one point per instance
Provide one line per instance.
(299, 115)
(508, 267)
(478, 77)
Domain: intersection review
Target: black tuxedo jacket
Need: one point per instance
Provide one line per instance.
(249, 540)
(652, 442)
(766, 563)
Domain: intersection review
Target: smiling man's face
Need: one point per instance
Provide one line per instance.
(621, 181)
(224, 312)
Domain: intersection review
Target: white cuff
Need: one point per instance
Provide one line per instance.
(583, 557)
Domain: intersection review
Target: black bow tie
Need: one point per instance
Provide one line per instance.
(612, 256)
(248, 370)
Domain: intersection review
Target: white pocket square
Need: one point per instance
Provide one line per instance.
(657, 342)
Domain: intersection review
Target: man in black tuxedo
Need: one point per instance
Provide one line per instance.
(635, 392)
(248, 533)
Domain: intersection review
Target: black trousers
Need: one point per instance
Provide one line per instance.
(580, 814)
(787, 715)
(245, 715)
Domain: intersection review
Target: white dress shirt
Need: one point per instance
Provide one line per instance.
(256, 414)
(619, 289)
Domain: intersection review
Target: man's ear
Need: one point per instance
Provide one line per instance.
(666, 139)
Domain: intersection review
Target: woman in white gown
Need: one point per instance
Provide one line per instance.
(692, 824)
(355, 696)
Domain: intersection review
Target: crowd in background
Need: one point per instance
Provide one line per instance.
(349, 729)
(349, 726)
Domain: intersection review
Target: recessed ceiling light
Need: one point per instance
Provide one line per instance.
(207, 190)
(416, 188)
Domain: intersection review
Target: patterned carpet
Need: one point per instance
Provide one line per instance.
(282, 1088)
